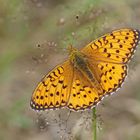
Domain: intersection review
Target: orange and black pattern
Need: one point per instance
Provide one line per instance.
(105, 71)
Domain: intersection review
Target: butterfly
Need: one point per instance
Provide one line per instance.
(89, 74)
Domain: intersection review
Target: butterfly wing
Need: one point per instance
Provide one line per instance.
(84, 94)
(108, 56)
(110, 75)
(116, 47)
(54, 89)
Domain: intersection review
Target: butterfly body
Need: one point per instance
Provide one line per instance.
(97, 70)
(80, 62)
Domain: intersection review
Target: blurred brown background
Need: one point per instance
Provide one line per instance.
(34, 35)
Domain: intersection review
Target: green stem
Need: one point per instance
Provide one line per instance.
(94, 124)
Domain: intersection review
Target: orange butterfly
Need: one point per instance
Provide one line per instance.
(88, 75)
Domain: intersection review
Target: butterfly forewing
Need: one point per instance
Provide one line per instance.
(116, 47)
(54, 89)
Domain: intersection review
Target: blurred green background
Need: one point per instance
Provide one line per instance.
(34, 35)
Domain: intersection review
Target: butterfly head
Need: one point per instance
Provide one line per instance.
(75, 55)
(72, 52)
(71, 49)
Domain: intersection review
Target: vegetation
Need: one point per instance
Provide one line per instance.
(34, 34)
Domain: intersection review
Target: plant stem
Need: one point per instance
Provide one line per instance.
(94, 124)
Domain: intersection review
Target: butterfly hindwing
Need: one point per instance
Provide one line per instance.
(83, 94)
(111, 76)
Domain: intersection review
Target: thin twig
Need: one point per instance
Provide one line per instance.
(94, 124)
